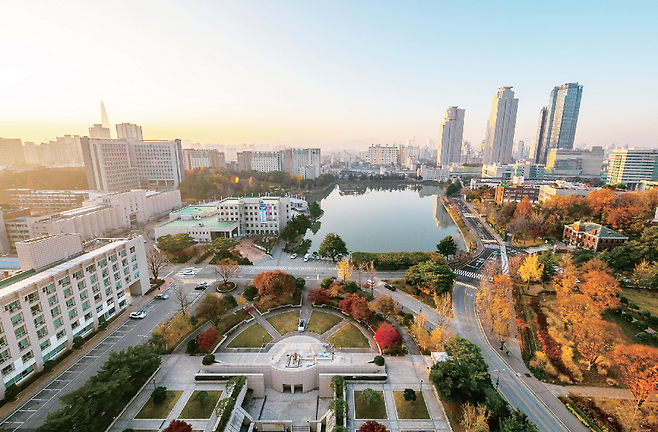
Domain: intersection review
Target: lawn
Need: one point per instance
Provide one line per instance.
(160, 411)
(645, 299)
(285, 322)
(454, 413)
(410, 410)
(195, 410)
(287, 299)
(253, 336)
(322, 322)
(349, 337)
(366, 411)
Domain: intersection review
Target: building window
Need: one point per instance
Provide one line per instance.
(124, 262)
(17, 319)
(132, 249)
(48, 289)
(42, 332)
(7, 370)
(39, 321)
(61, 334)
(68, 292)
(64, 281)
(102, 263)
(104, 273)
(78, 274)
(52, 300)
(85, 305)
(96, 288)
(93, 279)
(55, 311)
(13, 306)
(83, 295)
(57, 323)
(45, 344)
(113, 257)
(81, 285)
(91, 268)
(70, 303)
(133, 258)
(3, 342)
(24, 343)
(32, 297)
(27, 356)
(106, 282)
(36, 309)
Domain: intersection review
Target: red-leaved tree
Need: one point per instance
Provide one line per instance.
(372, 426)
(386, 335)
(274, 283)
(207, 339)
(355, 306)
(178, 426)
(317, 295)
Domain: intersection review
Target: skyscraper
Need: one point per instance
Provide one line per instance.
(450, 137)
(499, 136)
(557, 121)
(129, 131)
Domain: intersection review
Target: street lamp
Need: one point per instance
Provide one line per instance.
(497, 378)
(421, 386)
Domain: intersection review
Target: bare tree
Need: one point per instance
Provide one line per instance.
(372, 272)
(156, 260)
(181, 298)
(358, 273)
(227, 269)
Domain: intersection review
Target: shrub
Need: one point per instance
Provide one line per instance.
(208, 359)
(623, 300)
(159, 395)
(644, 313)
(326, 282)
(192, 346)
(643, 336)
(11, 392)
(231, 300)
(641, 324)
(207, 339)
(408, 319)
(350, 286)
(632, 305)
(250, 292)
(386, 335)
(652, 319)
(338, 428)
(409, 395)
(194, 320)
(78, 342)
(338, 384)
(379, 361)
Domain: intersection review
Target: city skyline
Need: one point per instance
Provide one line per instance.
(334, 75)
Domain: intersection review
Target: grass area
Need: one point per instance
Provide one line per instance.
(287, 299)
(627, 329)
(287, 322)
(160, 411)
(230, 321)
(527, 242)
(401, 285)
(645, 299)
(195, 410)
(224, 288)
(253, 336)
(349, 337)
(410, 410)
(322, 322)
(367, 411)
(454, 413)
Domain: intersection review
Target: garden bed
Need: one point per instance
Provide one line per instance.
(161, 410)
(376, 411)
(194, 409)
(413, 409)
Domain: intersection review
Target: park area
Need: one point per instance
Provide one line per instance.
(322, 322)
(286, 322)
(254, 336)
(349, 337)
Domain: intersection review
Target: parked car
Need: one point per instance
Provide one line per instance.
(307, 257)
(201, 286)
(138, 315)
(162, 296)
(389, 286)
(188, 273)
(302, 325)
(293, 256)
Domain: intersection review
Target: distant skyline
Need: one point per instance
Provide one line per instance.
(337, 74)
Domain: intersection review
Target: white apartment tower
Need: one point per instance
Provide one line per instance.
(128, 131)
(378, 155)
(499, 136)
(450, 137)
(99, 132)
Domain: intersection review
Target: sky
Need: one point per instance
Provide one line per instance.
(338, 74)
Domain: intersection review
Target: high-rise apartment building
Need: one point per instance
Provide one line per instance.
(450, 136)
(558, 120)
(630, 167)
(381, 156)
(160, 164)
(499, 136)
(12, 152)
(302, 162)
(99, 132)
(128, 131)
(197, 158)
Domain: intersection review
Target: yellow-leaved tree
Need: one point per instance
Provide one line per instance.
(531, 269)
(344, 268)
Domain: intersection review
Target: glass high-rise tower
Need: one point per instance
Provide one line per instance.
(557, 121)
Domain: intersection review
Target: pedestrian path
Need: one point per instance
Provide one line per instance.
(469, 274)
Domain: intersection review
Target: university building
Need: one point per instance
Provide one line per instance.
(592, 236)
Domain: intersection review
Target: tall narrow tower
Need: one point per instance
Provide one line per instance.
(450, 137)
(499, 136)
(104, 121)
(557, 122)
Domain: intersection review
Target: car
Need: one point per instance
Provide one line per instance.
(205, 284)
(307, 257)
(138, 315)
(162, 296)
(389, 286)
(302, 325)
(188, 273)
(201, 286)
(293, 256)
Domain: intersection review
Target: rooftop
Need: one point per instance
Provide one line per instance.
(208, 222)
(597, 230)
(196, 209)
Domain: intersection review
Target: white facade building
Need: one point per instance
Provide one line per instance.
(198, 158)
(378, 155)
(499, 135)
(44, 310)
(99, 132)
(302, 162)
(128, 131)
(631, 167)
(450, 137)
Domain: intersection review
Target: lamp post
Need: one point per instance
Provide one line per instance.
(421, 386)
(497, 378)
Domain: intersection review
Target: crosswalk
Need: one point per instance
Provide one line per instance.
(491, 245)
(469, 274)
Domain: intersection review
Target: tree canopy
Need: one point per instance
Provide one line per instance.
(430, 277)
(176, 243)
(332, 247)
(212, 308)
(447, 246)
(274, 283)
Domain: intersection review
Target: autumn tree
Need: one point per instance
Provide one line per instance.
(317, 295)
(333, 247)
(602, 288)
(638, 368)
(344, 268)
(178, 426)
(420, 332)
(207, 339)
(372, 271)
(227, 269)
(355, 306)
(385, 305)
(372, 426)
(531, 269)
(600, 202)
(274, 283)
(514, 264)
(359, 271)
(495, 304)
(212, 308)
(223, 247)
(475, 418)
(181, 298)
(644, 274)
(594, 338)
(386, 335)
(156, 261)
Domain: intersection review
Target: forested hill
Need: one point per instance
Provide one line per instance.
(43, 178)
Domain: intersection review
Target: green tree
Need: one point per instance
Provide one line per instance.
(370, 396)
(409, 395)
(212, 308)
(447, 246)
(174, 244)
(332, 247)
(223, 247)
(432, 277)
(517, 422)
(465, 377)
(339, 407)
(453, 188)
(314, 209)
(548, 259)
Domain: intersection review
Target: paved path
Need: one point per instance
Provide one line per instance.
(600, 392)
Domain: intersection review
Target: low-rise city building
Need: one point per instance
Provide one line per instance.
(592, 236)
(546, 192)
(516, 193)
(631, 167)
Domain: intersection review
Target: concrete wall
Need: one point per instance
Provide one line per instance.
(41, 252)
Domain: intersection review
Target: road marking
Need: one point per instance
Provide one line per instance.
(465, 309)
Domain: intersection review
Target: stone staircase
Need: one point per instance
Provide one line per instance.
(301, 427)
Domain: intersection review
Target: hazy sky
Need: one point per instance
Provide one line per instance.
(337, 73)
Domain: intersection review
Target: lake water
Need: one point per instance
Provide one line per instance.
(401, 218)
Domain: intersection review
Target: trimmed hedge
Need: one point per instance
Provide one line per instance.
(394, 260)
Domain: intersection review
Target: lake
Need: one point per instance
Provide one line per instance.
(385, 219)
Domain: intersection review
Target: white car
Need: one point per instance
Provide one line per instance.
(188, 273)
(302, 326)
(162, 296)
(307, 257)
(293, 256)
(138, 315)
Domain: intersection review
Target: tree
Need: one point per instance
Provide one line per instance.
(465, 377)
(495, 304)
(430, 277)
(178, 426)
(274, 283)
(372, 426)
(384, 305)
(372, 271)
(638, 368)
(447, 246)
(174, 244)
(332, 247)
(386, 335)
(359, 270)
(594, 338)
(224, 247)
(602, 288)
(181, 298)
(409, 395)
(344, 268)
(644, 274)
(547, 258)
(600, 201)
(212, 308)
(159, 395)
(250, 292)
(370, 396)
(314, 209)
(317, 295)
(475, 418)
(227, 269)
(517, 422)
(156, 261)
(355, 306)
(531, 269)
(339, 407)
(420, 333)
(207, 339)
